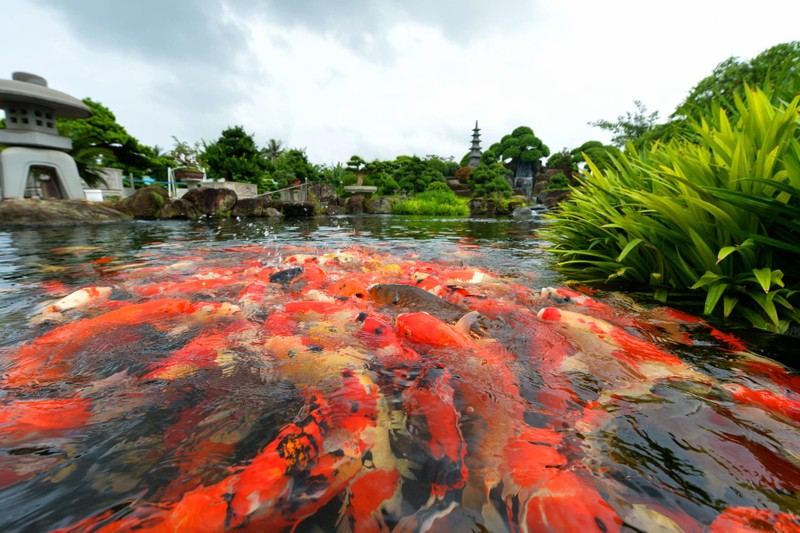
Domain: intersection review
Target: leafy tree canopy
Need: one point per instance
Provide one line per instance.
(295, 162)
(775, 70)
(234, 157)
(413, 174)
(100, 141)
(520, 146)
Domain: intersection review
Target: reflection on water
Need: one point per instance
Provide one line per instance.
(211, 386)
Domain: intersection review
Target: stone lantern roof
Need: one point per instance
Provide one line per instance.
(32, 109)
(24, 88)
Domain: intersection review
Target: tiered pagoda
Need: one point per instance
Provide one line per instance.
(475, 149)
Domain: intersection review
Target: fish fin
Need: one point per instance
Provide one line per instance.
(464, 324)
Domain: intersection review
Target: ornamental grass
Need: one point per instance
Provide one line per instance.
(714, 218)
(436, 202)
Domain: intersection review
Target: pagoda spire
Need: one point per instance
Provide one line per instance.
(475, 149)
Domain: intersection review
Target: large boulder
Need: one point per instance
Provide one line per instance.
(147, 202)
(378, 206)
(323, 193)
(355, 204)
(553, 198)
(482, 207)
(30, 212)
(211, 202)
(259, 206)
(181, 209)
(298, 209)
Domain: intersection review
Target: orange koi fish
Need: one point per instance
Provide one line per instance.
(367, 497)
(566, 502)
(765, 399)
(300, 471)
(434, 403)
(26, 420)
(43, 360)
(752, 520)
(204, 351)
(175, 288)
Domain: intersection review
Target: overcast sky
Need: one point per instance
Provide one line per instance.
(381, 78)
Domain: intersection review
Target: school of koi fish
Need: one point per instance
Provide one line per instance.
(286, 388)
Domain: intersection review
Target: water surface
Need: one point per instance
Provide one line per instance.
(537, 421)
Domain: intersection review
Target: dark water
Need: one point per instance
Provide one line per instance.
(664, 446)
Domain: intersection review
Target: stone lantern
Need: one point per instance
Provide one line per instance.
(35, 162)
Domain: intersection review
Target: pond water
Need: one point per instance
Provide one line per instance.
(237, 374)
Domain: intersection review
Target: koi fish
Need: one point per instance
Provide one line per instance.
(80, 298)
(410, 298)
(765, 399)
(300, 471)
(752, 520)
(636, 351)
(76, 250)
(566, 502)
(205, 351)
(44, 359)
(29, 419)
(174, 288)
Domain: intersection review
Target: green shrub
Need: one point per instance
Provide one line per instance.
(557, 182)
(717, 219)
(434, 202)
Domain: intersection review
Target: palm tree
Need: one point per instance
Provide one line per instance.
(274, 149)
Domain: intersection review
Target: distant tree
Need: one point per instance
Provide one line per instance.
(355, 164)
(600, 154)
(447, 166)
(413, 174)
(234, 157)
(520, 147)
(630, 126)
(273, 150)
(292, 166)
(487, 179)
(776, 70)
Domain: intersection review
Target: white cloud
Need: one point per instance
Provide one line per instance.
(381, 80)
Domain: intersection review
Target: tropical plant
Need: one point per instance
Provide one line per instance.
(273, 150)
(715, 218)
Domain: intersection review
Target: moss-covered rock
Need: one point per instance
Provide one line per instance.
(147, 202)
